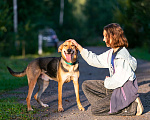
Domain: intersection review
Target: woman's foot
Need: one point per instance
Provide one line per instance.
(140, 108)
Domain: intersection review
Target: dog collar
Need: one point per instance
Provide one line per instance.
(71, 63)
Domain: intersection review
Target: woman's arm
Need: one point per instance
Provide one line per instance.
(80, 48)
(99, 61)
(122, 73)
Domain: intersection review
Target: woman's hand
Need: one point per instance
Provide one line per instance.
(79, 47)
(74, 42)
(106, 77)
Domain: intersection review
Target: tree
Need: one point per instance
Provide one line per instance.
(99, 14)
(6, 26)
(133, 15)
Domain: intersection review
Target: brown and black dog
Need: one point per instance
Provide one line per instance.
(61, 69)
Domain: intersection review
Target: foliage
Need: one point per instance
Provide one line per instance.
(134, 16)
(83, 21)
(99, 14)
(6, 27)
(36, 15)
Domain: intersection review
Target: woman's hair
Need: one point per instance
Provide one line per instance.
(116, 33)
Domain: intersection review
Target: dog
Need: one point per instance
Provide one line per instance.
(61, 69)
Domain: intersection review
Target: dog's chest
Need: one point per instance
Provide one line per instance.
(70, 72)
(69, 68)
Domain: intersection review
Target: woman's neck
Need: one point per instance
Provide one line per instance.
(115, 49)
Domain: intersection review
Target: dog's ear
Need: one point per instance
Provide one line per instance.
(60, 48)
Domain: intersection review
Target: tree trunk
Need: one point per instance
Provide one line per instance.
(23, 49)
(61, 12)
(15, 15)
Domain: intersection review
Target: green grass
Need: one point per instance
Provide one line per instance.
(11, 109)
(7, 81)
(140, 53)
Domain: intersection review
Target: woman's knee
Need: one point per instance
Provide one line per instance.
(91, 84)
(84, 84)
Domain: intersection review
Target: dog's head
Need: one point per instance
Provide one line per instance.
(68, 51)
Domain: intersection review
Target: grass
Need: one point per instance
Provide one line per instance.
(11, 109)
(140, 53)
(7, 81)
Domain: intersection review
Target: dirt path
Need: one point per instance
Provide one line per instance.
(69, 101)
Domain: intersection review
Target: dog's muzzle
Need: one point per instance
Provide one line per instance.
(69, 51)
(69, 54)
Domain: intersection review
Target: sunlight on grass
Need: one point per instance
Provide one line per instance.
(10, 109)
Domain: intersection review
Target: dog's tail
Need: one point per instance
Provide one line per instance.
(16, 74)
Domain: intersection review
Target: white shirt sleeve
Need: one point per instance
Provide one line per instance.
(99, 61)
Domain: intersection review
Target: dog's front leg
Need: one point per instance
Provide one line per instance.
(60, 85)
(76, 87)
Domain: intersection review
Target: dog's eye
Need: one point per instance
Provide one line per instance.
(65, 45)
(72, 45)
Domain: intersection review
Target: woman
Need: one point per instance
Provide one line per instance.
(117, 94)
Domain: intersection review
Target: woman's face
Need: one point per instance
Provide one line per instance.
(108, 42)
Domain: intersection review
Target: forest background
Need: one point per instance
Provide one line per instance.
(83, 20)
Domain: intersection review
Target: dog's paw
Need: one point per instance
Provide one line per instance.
(30, 109)
(60, 109)
(45, 105)
(81, 108)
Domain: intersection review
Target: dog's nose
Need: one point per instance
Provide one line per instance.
(69, 50)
